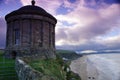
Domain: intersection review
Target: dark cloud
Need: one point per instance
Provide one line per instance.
(103, 1)
(2, 32)
(90, 45)
(72, 1)
(96, 4)
(99, 27)
(112, 1)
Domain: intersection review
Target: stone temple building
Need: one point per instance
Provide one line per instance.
(30, 30)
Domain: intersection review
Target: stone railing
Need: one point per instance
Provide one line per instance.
(25, 72)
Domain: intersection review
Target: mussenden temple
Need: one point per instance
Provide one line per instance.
(30, 31)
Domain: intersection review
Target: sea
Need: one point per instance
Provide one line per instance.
(104, 66)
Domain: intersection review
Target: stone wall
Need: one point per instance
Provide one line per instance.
(27, 32)
(25, 72)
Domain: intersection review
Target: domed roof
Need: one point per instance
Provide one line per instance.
(30, 9)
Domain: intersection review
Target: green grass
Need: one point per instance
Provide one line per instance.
(53, 68)
(7, 70)
(49, 67)
(71, 55)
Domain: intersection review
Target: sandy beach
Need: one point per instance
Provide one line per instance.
(97, 67)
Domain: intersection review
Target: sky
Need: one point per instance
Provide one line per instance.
(82, 24)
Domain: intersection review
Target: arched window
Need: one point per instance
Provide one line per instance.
(17, 36)
(41, 34)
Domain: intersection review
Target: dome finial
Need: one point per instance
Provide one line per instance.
(33, 3)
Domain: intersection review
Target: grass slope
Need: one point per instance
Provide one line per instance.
(49, 67)
(7, 70)
(54, 68)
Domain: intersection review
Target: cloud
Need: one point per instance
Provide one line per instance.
(8, 1)
(89, 51)
(89, 24)
(110, 42)
(68, 4)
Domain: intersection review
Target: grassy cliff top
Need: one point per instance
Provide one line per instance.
(54, 68)
(69, 54)
(49, 67)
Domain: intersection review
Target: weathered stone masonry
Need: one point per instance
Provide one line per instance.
(30, 30)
